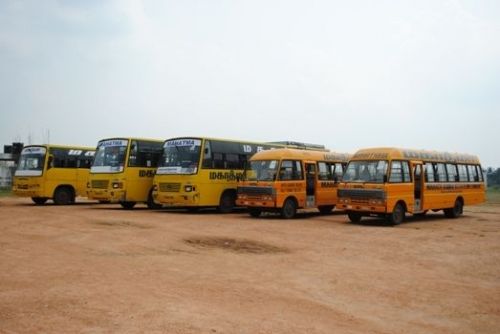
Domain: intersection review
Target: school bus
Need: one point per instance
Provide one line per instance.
(390, 182)
(53, 172)
(123, 170)
(284, 180)
(197, 172)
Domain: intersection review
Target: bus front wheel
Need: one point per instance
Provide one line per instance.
(39, 200)
(151, 203)
(254, 212)
(289, 209)
(127, 205)
(63, 196)
(227, 202)
(397, 215)
(354, 217)
(455, 211)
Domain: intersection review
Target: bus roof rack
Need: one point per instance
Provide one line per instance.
(297, 144)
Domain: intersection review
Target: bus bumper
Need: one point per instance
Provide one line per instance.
(113, 196)
(27, 190)
(256, 203)
(366, 208)
(179, 199)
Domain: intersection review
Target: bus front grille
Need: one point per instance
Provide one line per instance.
(170, 187)
(254, 191)
(100, 184)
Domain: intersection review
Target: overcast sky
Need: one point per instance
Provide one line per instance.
(347, 74)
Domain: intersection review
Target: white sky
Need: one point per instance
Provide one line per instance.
(347, 74)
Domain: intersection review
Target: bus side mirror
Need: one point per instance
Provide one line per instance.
(50, 161)
(385, 178)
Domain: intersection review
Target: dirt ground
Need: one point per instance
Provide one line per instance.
(99, 269)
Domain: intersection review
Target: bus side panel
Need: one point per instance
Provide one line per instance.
(326, 193)
(82, 177)
(55, 177)
(295, 188)
(213, 182)
(397, 192)
(139, 181)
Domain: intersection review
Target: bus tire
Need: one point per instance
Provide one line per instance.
(456, 210)
(63, 196)
(326, 209)
(289, 208)
(39, 200)
(354, 217)
(104, 202)
(227, 201)
(397, 215)
(254, 212)
(127, 205)
(151, 203)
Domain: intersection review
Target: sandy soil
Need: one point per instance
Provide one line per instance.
(99, 269)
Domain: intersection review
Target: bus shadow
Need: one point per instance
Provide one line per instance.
(410, 219)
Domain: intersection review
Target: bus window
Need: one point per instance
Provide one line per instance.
(480, 173)
(290, 170)
(144, 154)
(440, 173)
(339, 171)
(325, 171)
(429, 172)
(473, 177)
(462, 173)
(396, 172)
(406, 171)
(452, 172)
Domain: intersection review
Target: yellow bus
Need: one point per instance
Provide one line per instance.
(284, 180)
(390, 182)
(196, 172)
(53, 172)
(123, 170)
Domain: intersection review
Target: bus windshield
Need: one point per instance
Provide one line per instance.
(372, 171)
(110, 156)
(261, 170)
(180, 156)
(31, 161)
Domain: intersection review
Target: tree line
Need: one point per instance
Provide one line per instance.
(493, 177)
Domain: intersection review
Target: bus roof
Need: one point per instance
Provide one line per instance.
(292, 144)
(49, 146)
(131, 138)
(290, 153)
(389, 153)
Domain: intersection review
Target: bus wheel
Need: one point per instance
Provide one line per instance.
(289, 209)
(455, 211)
(63, 196)
(39, 200)
(325, 209)
(227, 202)
(254, 212)
(151, 203)
(127, 205)
(397, 216)
(354, 217)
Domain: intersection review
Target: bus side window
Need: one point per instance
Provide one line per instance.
(290, 170)
(339, 171)
(462, 173)
(473, 177)
(324, 171)
(429, 172)
(232, 161)
(452, 172)
(440, 172)
(218, 161)
(396, 172)
(480, 173)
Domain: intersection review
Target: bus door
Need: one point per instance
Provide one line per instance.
(310, 185)
(418, 186)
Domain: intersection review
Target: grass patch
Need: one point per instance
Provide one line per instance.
(493, 195)
(5, 192)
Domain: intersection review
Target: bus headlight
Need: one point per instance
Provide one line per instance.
(155, 187)
(376, 202)
(117, 185)
(188, 188)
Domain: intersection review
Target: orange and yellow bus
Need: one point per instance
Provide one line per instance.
(123, 171)
(284, 180)
(197, 172)
(390, 182)
(53, 172)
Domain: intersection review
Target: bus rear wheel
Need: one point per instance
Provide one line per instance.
(39, 200)
(254, 212)
(455, 211)
(289, 209)
(63, 196)
(127, 205)
(325, 209)
(354, 217)
(397, 215)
